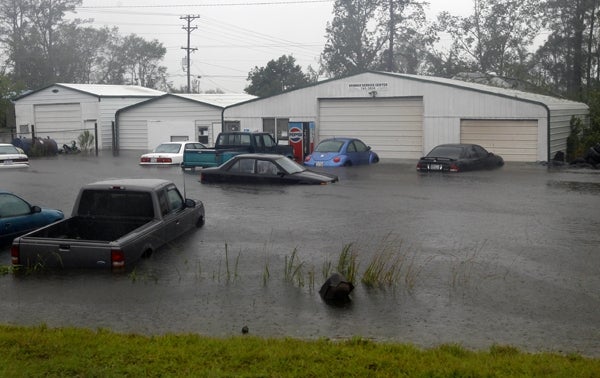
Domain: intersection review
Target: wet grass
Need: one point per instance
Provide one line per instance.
(347, 262)
(41, 351)
(392, 264)
(294, 269)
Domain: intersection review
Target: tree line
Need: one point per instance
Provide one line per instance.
(544, 46)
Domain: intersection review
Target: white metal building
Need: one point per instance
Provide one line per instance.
(404, 116)
(173, 117)
(63, 111)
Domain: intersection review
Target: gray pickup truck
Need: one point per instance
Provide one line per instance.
(113, 224)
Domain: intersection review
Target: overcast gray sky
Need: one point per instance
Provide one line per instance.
(231, 36)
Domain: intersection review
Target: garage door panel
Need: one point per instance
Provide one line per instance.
(499, 137)
(133, 135)
(61, 122)
(514, 140)
(393, 127)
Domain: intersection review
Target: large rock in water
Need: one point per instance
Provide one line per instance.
(336, 289)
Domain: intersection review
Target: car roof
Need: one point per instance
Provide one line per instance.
(260, 156)
(339, 138)
(460, 145)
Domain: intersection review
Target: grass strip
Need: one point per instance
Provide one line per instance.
(73, 352)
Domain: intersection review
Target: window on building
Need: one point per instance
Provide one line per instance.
(277, 127)
(202, 134)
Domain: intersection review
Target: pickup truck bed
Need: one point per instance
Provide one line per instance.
(90, 228)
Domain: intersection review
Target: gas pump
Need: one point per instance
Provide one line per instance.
(301, 137)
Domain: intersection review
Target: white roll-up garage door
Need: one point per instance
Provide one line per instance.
(393, 127)
(133, 135)
(514, 140)
(61, 122)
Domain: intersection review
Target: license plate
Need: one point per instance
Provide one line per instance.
(153, 160)
(8, 162)
(435, 167)
(319, 164)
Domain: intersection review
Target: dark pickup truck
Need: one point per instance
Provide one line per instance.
(114, 223)
(234, 143)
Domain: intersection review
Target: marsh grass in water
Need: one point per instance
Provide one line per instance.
(385, 267)
(67, 352)
(347, 263)
(294, 269)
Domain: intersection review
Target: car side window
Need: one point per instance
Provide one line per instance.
(175, 199)
(245, 140)
(258, 140)
(479, 151)
(351, 147)
(163, 202)
(360, 146)
(268, 140)
(12, 206)
(264, 167)
(243, 166)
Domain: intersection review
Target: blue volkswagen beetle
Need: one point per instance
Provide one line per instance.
(18, 217)
(341, 152)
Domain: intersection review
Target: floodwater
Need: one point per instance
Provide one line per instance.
(506, 257)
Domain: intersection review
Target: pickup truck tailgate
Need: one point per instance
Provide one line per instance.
(65, 253)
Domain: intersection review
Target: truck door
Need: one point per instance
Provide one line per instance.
(171, 204)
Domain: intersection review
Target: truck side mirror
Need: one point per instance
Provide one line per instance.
(190, 203)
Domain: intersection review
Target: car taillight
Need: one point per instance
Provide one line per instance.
(164, 160)
(145, 160)
(337, 159)
(420, 166)
(454, 168)
(15, 254)
(117, 258)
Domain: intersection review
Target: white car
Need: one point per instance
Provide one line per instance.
(12, 157)
(169, 153)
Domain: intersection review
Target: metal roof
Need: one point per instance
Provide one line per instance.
(110, 90)
(551, 102)
(220, 100)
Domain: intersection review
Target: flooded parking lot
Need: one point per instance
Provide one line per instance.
(495, 257)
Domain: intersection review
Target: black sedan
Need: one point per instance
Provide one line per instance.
(264, 169)
(458, 158)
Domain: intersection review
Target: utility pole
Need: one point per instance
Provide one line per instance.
(391, 31)
(189, 29)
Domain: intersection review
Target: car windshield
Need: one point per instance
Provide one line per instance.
(290, 166)
(329, 146)
(451, 152)
(171, 148)
(5, 150)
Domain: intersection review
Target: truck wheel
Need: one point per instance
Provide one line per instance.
(200, 222)
(147, 253)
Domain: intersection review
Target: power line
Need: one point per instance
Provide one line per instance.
(262, 3)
